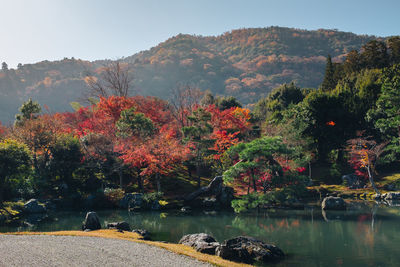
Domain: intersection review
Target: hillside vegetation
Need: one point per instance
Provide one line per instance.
(245, 63)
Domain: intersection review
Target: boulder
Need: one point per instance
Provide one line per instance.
(353, 181)
(131, 201)
(248, 250)
(202, 242)
(2, 218)
(91, 222)
(144, 233)
(225, 196)
(333, 203)
(392, 196)
(210, 203)
(186, 210)
(123, 226)
(33, 206)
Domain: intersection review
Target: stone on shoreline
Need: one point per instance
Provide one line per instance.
(392, 196)
(248, 250)
(202, 242)
(33, 206)
(144, 233)
(91, 222)
(333, 203)
(124, 226)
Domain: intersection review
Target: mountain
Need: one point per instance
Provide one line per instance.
(245, 63)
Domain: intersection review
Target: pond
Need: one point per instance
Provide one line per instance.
(364, 235)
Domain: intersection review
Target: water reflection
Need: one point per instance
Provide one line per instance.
(364, 235)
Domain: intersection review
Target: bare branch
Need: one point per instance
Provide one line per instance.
(183, 100)
(115, 79)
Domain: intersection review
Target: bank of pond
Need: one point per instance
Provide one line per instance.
(364, 234)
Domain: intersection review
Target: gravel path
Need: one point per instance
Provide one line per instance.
(44, 250)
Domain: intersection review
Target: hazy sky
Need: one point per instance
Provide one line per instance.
(36, 30)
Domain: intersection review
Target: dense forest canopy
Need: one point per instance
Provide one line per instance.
(350, 122)
(244, 63)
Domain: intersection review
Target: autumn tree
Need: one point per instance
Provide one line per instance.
(364, 153)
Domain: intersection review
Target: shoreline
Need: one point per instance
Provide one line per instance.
(178, 249)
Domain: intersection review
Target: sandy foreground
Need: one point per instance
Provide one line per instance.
(46, 250)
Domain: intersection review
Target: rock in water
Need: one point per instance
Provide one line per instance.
(144, 233)
(33, 206)
(333, 203)
(249, 250)
(131, 200)
(91, 222)
(392, 196)
(124, 226)
(202, 242)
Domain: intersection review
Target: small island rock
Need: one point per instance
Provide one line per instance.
(248, 250)
(123, 226)
(33, 206)
(144, 233)
(202, 242)
(91, 222)
(333, 203)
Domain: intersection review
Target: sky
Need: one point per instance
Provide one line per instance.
(37, 30)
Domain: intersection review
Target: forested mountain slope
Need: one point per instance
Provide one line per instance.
(245, 63)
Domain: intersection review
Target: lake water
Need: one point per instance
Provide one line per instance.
(364, 235)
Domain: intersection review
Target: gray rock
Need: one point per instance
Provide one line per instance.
(33, 206)
(131, 201)
(124, 226)
(202, 242)
(91, 222)
(144, 233)
(392, 196)
(353, 181)
(209, 202)
(2, 219)
(225, 196)
(248, 250)
(333, 203)
(207, 248)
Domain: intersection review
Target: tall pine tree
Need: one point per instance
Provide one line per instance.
(329, 82)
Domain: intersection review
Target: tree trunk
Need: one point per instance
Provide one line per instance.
(198, 174)
(121, 178)
(189, 169)
(248, 187)
(140, 183)
(371, 179)
(309, 169)
(254, 181)
(2, 182)
(158, 182)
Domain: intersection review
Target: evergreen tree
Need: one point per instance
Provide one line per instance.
(4, 66)
(329, 82)
(29, 110)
